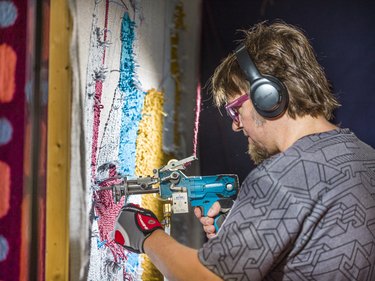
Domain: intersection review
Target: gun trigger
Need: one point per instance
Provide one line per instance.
(219, 221)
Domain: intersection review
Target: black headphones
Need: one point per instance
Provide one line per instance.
(267, 93)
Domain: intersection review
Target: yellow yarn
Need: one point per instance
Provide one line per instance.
(149, 156)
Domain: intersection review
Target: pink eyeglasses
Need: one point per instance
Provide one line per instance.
(232, 108)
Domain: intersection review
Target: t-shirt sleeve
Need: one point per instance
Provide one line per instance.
(258, 233)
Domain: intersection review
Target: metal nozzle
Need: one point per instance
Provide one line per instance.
(167, 213)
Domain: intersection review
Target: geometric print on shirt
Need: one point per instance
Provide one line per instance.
(304, 214)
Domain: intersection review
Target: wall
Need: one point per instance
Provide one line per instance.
(127, 57)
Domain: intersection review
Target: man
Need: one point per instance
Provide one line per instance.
(307, 211)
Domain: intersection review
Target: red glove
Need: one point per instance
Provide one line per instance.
(133, 225)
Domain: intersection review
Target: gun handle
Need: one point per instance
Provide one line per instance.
(218, 220)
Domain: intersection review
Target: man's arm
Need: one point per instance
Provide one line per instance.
(138, 230)
(174, 260)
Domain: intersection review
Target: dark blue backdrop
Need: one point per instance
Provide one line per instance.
(342, 34)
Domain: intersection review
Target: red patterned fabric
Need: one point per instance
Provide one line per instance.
(13, 27)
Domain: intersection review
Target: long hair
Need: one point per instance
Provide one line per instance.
(281, 50)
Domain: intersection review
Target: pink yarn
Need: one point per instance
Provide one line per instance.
(197, 114)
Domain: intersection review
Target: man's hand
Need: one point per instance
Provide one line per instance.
(133, 225)
(222, 206)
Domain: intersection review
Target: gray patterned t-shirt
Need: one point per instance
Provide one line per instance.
(305, 214)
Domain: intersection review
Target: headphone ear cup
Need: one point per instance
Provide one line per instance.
(269, 96)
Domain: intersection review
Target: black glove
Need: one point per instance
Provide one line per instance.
(133, 225)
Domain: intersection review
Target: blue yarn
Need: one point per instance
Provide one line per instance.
(133, 261)
(8, 13)
(100, 243)
(131, 112)
(133, 99)
(4, 248)
(6, 131)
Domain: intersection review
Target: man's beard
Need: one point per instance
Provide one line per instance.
(258, 153)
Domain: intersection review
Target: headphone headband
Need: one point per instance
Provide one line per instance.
(246, 64)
